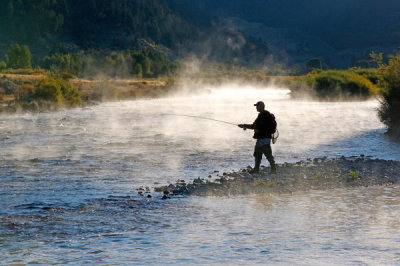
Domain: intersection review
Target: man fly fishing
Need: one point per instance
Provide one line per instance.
(264, 127)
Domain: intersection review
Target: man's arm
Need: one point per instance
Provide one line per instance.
(250, 126)
(246, 126)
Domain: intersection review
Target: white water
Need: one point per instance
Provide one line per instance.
(69, 184)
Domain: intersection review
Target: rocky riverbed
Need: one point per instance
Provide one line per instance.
(311, 174)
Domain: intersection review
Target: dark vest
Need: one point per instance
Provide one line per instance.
(263, 125)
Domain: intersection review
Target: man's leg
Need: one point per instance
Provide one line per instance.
(258, 152)
(270, 158)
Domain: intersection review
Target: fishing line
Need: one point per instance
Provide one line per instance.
(205, 118)
(275, 136)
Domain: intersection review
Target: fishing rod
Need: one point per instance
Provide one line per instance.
(274, 136)
(205, 118)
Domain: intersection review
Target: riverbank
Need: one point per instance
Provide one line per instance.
(311, 174)
(18, 92)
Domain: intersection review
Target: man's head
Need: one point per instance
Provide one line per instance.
(260, 106)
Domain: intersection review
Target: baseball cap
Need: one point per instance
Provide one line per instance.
(259, 103)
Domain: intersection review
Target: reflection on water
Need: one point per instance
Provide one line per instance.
(69, 182)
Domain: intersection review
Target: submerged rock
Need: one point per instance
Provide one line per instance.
(317, 173)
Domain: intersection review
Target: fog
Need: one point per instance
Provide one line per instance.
(70, 181)
(148, 140)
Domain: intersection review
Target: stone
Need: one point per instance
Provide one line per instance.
(292, 177)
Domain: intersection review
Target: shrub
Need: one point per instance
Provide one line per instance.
(9, 86)
(372, 74)
(334, 84)
(354, 174)
(49, 89)
(389, 111)
(58, 91)
(67, 76)
(25, 91)
(71, 94)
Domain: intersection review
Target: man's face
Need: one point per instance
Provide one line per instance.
(259, 108)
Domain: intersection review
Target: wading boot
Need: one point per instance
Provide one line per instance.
(254, 171)
(273, 169)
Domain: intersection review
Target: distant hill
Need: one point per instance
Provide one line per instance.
(340, 32)
(94, 23)
(122, 24)
(244, 32)
(342, 24)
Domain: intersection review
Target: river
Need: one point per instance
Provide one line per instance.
(70, 179)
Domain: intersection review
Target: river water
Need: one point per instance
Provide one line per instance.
(70, 178)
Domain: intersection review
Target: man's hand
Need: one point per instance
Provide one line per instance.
(242, 126)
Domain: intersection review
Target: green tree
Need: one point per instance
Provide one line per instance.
(389, 111)
(376, 58)
(138, 70)
(18, 56)
(313, 63)
(27, 20)
(147, 66)
(59, 62)
(3, 65)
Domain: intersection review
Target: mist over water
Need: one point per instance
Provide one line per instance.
(69, 183)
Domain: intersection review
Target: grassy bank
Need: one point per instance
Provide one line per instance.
(38, 90)
(35, 91)
(336, 84)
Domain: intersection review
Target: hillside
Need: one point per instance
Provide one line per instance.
(121, 24)
(250, 33)
(341, 33)
(343, 24)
